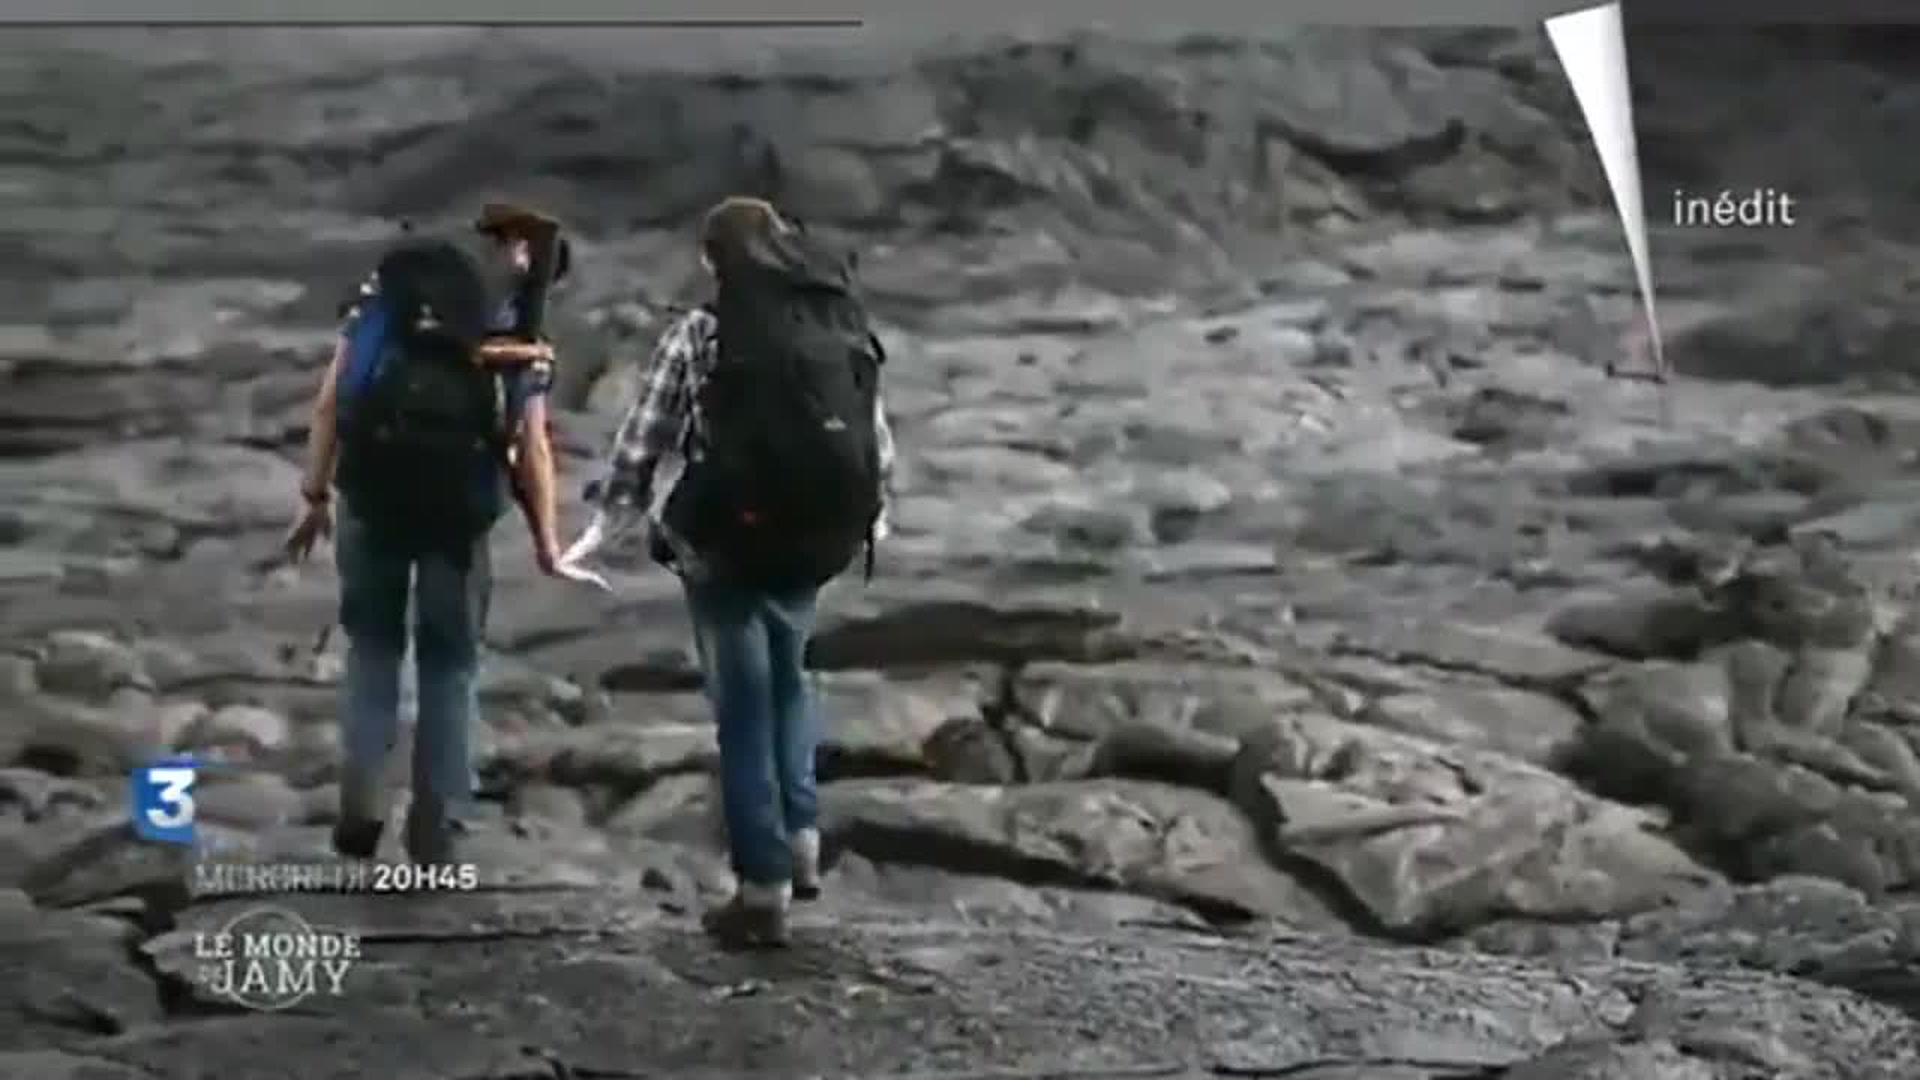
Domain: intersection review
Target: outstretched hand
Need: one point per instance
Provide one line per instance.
(546, 555)
(315, 524)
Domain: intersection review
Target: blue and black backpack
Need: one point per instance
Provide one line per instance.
(424, 427)
(787, 485)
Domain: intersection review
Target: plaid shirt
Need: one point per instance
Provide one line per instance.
(650, 449)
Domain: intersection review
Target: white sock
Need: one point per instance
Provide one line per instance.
(806, 853)
(765, 896)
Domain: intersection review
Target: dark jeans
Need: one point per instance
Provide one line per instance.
(752, 648)
(448, 585)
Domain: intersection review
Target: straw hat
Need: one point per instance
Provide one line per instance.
(517, 220)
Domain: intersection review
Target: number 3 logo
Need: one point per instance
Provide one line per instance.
(175, 805)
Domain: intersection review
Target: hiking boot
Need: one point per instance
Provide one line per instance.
(806, 864)
(356, 835)
(429, 832)
(357, 839)
(756, 918)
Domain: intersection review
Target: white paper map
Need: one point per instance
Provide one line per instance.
(570, 566)
(576, 572)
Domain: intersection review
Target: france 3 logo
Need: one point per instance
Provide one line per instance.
(163, 800)
(163, 807)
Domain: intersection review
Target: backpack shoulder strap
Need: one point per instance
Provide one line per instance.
(367, 330)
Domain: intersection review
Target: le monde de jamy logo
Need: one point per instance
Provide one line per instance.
(271, 959)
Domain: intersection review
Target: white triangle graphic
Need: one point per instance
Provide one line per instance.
(1592, 47)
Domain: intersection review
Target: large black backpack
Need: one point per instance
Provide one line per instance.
(784, 487)
(423, 425)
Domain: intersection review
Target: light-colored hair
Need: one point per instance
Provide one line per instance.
(735, 226)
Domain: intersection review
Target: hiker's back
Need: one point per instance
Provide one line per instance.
(422, 423)
(786, 486)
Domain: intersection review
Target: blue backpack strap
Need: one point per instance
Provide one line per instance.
(368, 333)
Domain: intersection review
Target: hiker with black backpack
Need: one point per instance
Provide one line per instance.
(756, 455)
(431, 420)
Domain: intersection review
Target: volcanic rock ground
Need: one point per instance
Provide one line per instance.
(1299, 657)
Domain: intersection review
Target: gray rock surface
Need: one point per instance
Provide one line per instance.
(1298, 656)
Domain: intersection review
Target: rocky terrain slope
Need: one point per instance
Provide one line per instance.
(1299, 657)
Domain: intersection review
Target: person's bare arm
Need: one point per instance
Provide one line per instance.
(509, 352)
(323, 432)
(534, 463)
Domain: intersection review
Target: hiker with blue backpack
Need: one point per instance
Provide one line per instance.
(756, 456)
(431, 421)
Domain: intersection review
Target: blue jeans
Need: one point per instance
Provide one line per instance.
(380, 571)
(752, 647)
